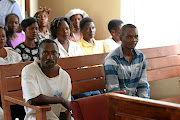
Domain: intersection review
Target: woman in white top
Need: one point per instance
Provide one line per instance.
(7, 54)
(60, 31)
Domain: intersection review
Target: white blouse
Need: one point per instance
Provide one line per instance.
(12, 57)
(73, 50)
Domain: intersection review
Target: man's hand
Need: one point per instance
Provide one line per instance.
(66, 104)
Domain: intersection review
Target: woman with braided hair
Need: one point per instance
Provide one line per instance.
(43, 18)
(60, 31)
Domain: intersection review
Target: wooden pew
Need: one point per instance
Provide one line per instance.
(123, 107)
(163, 71)
(86, 72)
(11, 92)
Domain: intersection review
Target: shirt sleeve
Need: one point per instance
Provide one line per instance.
(16, 10)
(18, 57)
(80, 52)
(111, 75)
(143, 85)
(108, 47)
(29, 83)
(67, 90)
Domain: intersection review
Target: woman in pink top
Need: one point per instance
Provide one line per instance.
(12, 25)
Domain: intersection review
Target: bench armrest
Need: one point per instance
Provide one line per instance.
(19, 101)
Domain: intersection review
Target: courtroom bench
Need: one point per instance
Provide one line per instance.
(163, 72)
(86, 72)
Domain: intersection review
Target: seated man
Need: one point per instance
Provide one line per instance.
(87, 43)
(113, 41)
(45, 82)
(125, 67)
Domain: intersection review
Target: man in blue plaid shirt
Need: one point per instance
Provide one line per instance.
(125, 67)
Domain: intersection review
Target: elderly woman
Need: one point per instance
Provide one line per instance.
(29, 48)
(60, 30)
(76, 15)
(43, 18)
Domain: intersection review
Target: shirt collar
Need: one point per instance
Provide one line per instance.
(86, 44)
(135, 52)
(47, 32)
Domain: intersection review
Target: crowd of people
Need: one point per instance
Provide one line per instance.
(44, 82)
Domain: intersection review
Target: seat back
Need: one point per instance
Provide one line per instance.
(10, 80)
(91, 108)
(86, 72)
(162, 62)
(123, 107)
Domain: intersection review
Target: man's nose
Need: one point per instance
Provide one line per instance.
(50, 56)
(134, 39)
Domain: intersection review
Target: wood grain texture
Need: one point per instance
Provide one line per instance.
(132, 108)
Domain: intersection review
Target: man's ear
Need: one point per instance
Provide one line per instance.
(120, 37)
(112, 32)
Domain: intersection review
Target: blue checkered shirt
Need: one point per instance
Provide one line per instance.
(125, 76)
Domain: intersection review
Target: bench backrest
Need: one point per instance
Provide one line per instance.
(123, 107)
(163, 71)
(86, 72)
(84, 78)
(162, 62)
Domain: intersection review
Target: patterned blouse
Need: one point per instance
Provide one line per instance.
(27, 53)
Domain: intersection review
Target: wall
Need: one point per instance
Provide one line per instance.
(33, 7)
(152, 18)
(101, 11)
(22, 7)
(165, 88)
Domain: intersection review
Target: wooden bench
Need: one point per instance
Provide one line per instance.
(123, 107)
(163, 72)
(86, 72)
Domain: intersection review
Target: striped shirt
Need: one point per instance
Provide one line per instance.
(128, 77)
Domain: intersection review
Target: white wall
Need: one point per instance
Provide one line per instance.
(34, 6)
(21, 4)
(158, 21)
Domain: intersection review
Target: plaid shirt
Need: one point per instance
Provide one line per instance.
(121, 75)
(40, 37)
